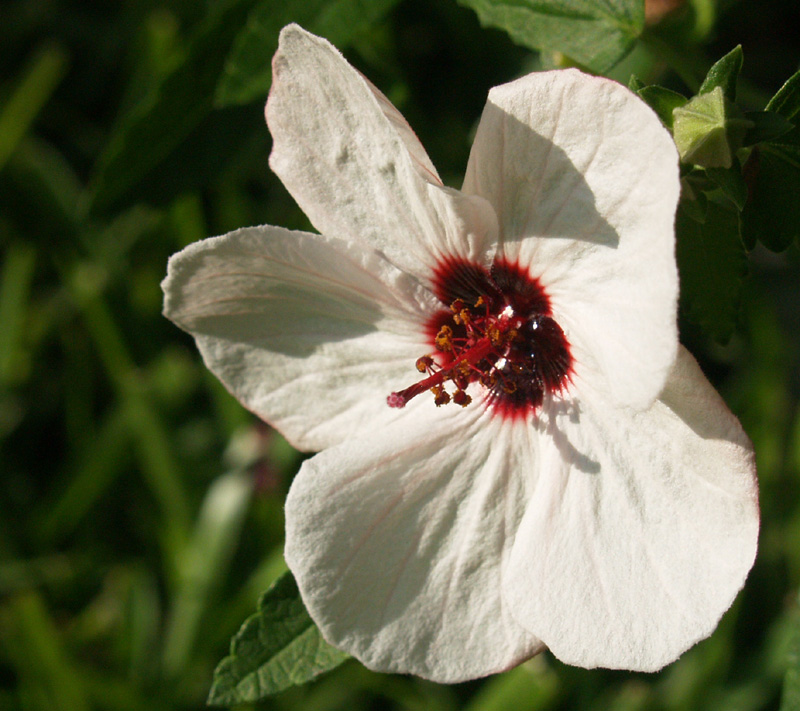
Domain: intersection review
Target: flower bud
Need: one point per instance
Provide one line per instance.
(709, 129)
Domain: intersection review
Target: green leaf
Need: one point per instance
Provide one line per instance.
(712, 264)
(635, 84)
(34, 89)
(16, 276)
(204, 563)
(767, 126)
(791, 683)
(153, 135)
(248, 69)
(731, 182)
(786, 101)
(772, 214)
(595, 33)
(662, 101)
(724, 74)
(276, 648)
(694, 202)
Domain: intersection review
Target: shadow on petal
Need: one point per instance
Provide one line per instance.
(568, 451)
(543, 192)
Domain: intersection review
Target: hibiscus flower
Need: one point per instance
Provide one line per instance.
(514, 451)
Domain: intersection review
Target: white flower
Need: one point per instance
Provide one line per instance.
(595, 496)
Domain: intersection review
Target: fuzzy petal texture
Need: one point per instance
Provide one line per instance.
(584, 179)
(398, 540)
(642, 529)
(305, 331)
(356, 169)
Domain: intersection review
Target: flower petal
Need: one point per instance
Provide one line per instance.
(356, 169)
(584, 179)
(398, 539)
(642, 530)
(309, 333)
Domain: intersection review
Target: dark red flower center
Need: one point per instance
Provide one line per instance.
(496, 330)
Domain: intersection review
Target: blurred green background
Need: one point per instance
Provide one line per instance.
(140, 506)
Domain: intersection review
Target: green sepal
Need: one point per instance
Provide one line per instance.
(663, 102)
(709, 129)
(276, 648)
(635, 84)
(724, 74)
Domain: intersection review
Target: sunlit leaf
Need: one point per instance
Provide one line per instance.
(276, 648)
(594, 33)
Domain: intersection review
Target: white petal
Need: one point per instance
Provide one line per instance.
(356, 169)
(584, 179)
(642, 530)
(309, 333)
(398, 540)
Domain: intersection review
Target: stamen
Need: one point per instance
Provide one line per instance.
(424, 364)
(506, 341)
(461, 398)
(444, 339)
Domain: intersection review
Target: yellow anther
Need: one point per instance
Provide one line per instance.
(444, 339)
(441, 396)
(424, 363)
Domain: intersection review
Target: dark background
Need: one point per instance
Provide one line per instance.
(122, 576)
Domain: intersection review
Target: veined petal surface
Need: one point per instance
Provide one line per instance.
(584, 180)
(356, 169)
(308, 332)
(641, 531)
(398, 540)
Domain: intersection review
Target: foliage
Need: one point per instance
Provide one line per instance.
(276, 648)
(596, 34)
(141, 507)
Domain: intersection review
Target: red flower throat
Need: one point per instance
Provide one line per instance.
(497, 331)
